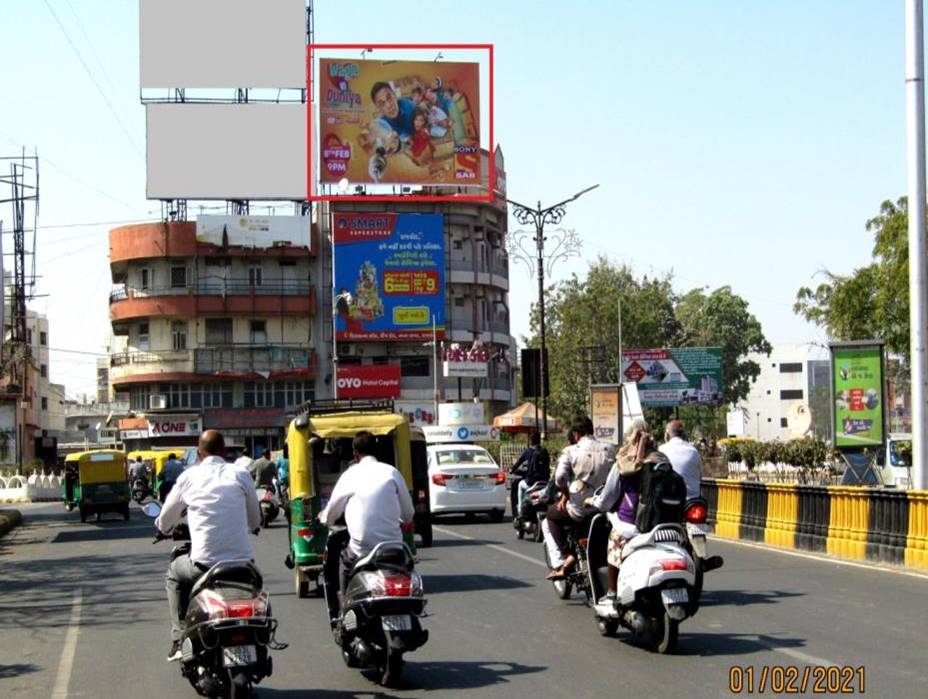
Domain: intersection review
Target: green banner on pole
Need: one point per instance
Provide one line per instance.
(857, 373)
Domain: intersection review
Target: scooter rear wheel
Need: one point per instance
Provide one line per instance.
(391, 670)
(607, 627)
(665, 637)
(349, 658)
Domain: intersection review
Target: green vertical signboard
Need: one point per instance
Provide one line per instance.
(857, 376)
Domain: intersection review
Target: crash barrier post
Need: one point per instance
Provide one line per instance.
(875, 524)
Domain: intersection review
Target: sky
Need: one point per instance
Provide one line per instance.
(735, 143)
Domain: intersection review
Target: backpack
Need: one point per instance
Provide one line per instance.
(539, 468)
(662, 496)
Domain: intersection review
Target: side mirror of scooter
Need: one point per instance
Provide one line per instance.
(151, 509)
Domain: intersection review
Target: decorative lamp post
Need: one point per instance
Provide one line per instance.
(566, 243)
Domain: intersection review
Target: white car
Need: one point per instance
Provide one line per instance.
(465, 478)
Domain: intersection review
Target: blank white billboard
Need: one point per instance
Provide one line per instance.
(226, 151)
(222, 43)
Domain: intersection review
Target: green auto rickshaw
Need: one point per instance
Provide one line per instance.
(319, 444)
(95, 482)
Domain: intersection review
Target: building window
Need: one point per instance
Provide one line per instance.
(43, 338)
(284, 262)
(178, 277)
(217, 395)
(44, 403)
(138, 397)
(179, 335)
(255, 276)
(43, 371)
(29, 336)
(146, 279)
(259, 394)
(783, 422)
(298, 392)
(791, 368)
(414, 366)
(218, 331)
(259, 332)
(143, 342)
(791, 394)
(459, 301)
(178, 394)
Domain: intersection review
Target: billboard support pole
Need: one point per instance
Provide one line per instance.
(918, 293)
(539, 217)
(435, 365)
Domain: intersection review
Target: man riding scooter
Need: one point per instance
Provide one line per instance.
(533, 466)
(375, 501)
(582, 468)
(221, 510)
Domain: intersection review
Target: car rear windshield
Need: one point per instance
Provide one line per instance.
(464, 456)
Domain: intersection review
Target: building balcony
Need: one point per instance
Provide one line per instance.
(295, 298)
(222, 361)
(247, 360)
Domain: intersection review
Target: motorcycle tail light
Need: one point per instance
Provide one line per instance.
(408, 527)
(267, 496)
(397, 585)
(696, 513)
(217, 607)
(674, 564)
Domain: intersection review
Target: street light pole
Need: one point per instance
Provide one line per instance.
(918, 292)
(539, 217)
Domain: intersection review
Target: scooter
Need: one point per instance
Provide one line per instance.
(229, 629)
(694, 519)
(656, 584)
(378, 619)
(141, 490)
(578, 576)
(530, 513)
(269, 504)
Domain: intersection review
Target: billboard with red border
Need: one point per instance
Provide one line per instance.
(368, 381)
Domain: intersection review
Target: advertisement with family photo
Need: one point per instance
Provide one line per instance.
(399, 122)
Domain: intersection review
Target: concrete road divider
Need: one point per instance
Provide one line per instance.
(865, 524)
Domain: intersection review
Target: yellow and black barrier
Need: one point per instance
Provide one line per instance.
(866, 524)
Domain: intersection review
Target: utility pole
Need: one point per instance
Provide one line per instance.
(918, 251)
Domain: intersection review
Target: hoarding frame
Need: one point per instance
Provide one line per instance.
(490, 196)
(859, 344)
(619, 391)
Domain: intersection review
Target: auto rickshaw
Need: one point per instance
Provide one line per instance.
(319, 443)
(420, 485)
(155, 459)
(95, 482)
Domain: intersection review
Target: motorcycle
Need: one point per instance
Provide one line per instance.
(378, 619)
(694, 517)
(229, 628)
(655, 588)
(140, 490)
(530, 513)
(269, 504)
(578, 577)
(283, 492)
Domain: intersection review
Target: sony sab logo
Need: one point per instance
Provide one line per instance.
(349, 383)
(463, 433)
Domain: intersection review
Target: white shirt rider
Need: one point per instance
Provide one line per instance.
(375, 501)
(222, 509)
(683, 457)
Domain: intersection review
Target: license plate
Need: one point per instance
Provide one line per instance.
(398, 622)
(471, 482)
(675, 595)
(236, 656)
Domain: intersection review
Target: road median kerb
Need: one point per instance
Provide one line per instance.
(9, 519)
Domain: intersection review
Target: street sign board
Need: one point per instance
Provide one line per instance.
(668, 377)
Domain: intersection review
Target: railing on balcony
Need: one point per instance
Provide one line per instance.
(216, 286)
(247, 359)
(153, 357)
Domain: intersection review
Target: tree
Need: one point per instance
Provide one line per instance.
(721, 319)
(872, 301)
(582, 315)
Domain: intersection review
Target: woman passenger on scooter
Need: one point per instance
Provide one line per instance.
(619, 496)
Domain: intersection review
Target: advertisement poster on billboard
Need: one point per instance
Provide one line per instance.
(368, 381)
(857, 373)
(254, 231)
(389, 276)
(670, 377)
(461, 433)
(399, 122)
(606, 412)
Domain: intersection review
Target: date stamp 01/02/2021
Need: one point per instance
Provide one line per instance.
(795, 679)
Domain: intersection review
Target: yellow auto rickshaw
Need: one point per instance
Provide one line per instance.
(95, 482)
(319, 444)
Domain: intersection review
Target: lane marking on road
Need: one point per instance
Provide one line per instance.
(495, 547)
(812, 557)
(63, 679)
(794, 654)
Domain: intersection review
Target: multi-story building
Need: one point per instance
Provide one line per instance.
(48, 397)
(476, 306)
(216, 334)
(793, 375)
